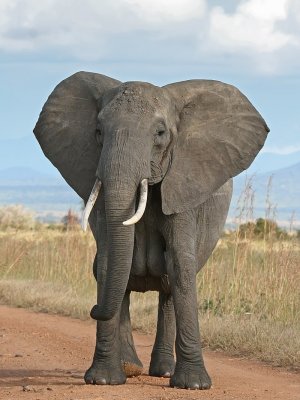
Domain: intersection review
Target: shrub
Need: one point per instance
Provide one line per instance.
(16, 217)
(261, 228)
(70, 221)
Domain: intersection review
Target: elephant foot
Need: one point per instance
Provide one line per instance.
(186, 377)
(161, 365)
(131, 364)
(100, 374)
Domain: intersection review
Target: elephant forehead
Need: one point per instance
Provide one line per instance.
(137, 99)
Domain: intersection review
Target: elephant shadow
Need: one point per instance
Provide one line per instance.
(39, 377)
(36, 379)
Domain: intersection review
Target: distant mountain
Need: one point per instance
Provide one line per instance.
(281, 188)
(266, 162)
(51, 197)
(23, 176)
(24, 151)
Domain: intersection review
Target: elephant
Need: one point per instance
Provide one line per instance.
(154, 166)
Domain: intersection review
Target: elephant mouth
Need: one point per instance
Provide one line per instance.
(154, 180)
(159, 170)
(156, 174)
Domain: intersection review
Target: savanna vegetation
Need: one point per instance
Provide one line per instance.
(248, 293)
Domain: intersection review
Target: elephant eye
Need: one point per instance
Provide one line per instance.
(160, 130)
(161, 136)
(99, 138)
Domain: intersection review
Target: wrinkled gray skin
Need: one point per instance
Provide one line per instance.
(188, 139)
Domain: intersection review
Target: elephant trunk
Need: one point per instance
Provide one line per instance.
(120, 239)
(119, 206)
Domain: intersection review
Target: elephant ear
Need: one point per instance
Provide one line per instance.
(219, 135)
(66, 128)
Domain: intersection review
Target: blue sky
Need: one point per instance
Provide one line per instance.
(252, 44)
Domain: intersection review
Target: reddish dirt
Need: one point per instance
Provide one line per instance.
(44, 357)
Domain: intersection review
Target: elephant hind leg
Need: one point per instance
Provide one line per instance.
(190, 371)
(131, 363)
(162, 358)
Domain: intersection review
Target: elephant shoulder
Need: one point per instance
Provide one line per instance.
(213, 212)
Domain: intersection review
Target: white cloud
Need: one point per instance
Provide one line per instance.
(252, 27)
(85, 29)
(163, 11)
(260, 34)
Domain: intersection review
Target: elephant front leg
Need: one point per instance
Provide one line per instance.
(190, 372)
(162, 357)
(107, 368)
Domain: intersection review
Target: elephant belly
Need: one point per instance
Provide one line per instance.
(149, 283)
(148, 253)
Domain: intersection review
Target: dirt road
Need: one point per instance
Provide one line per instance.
(44, 357)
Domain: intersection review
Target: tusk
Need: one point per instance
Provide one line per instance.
(90, 204)
(142, 204)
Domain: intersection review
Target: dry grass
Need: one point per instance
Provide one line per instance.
(259, 277)
(248, 292)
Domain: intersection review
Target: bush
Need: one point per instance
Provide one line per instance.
(261, 228)
(16, 217)
(70, 221)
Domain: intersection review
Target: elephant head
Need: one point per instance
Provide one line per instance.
(190, 137)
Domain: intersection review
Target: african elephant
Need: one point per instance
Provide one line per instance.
(170, 152)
